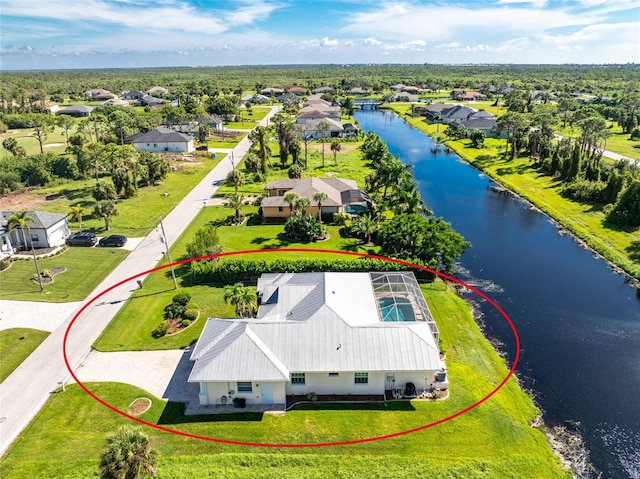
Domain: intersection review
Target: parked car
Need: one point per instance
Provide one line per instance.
(82, 239)
(113, 240)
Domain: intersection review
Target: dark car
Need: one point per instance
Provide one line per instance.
(113, 240)
(82, 239)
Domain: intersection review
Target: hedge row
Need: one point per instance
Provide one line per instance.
(237, 270)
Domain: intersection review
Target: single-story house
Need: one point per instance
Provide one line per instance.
(298, 90)
(464, 95)
(310, 127)
(431, 110)
(47, 230)
(271, 91)
(259, 99)
(357, 91)
(404, 96)
(95, 91)
(212, 121)
(323, 89)
(359, 334)
(161, 140)
(133, 94)
(46, 105)
(397, 87)
(115, 102)
(458, 112)
(77, 111)
(343, 196)
(288, 97)
(150, 101)
(413, 90)
(158, 90)
(107, 95)
(484, 124)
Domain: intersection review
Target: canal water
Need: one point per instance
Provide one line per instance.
(578, 321)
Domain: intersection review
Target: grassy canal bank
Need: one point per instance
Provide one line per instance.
(586, 221)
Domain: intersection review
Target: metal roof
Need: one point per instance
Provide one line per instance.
(322, 322)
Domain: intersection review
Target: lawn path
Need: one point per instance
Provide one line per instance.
(24, 392)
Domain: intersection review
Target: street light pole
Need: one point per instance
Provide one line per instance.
(166, 245)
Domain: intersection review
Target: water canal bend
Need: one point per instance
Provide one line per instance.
(578, 321)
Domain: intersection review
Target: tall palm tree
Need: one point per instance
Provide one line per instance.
(323, 128)
(300, 205)
(76, 212)
(290, 198)
(20, 219)
(242, 298)
(336, 146)
(235, 178)
(127, 455)
(365, 225)
(319, 197)
(105, 209)
(236, 202)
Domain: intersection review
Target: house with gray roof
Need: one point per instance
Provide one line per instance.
(148, 100)
(358, 334)
(133, 94)
(343, 196)
(76, 111)
(47, 230)
(311, 127)
(162, 140)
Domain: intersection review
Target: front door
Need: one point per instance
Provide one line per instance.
(267, 393)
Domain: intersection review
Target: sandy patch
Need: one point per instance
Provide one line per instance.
(52, 145)
(22, 200)
(344, 147)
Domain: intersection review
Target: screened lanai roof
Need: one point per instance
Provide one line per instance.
(394, 291)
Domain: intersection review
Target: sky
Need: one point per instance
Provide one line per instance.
(67, 34)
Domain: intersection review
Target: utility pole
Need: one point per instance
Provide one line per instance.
(163, 238)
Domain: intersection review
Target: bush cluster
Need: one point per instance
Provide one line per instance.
(239, 270)
(180, 310)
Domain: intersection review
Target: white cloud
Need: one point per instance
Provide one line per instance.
(535, 3)
(325, 42)
(372, 42)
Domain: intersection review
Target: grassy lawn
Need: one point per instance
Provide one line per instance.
(132, 326)
(16, 344)
(137, 215)
(85, 269)
(55, 142)
(492, 441)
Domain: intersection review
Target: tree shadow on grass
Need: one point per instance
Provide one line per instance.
(634, 251)
(352, 245)
(173, 413)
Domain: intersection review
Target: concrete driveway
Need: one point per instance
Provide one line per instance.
(35, 314)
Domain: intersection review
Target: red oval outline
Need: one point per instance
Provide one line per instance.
(295, 445)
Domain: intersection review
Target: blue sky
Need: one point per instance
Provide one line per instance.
(57, 34)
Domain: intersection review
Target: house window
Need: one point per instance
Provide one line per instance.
(280, 209)
(34, 237)
(297, 378)
(361, 378)
(244, 387)
(334, 375)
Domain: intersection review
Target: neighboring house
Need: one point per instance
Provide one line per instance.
(397, 87)
(404, 96)
(298, 90)
(323, 89)
(95, 91)
(115, 102)
(212, 121)
(288, 97)
(413, 90)
(133, 95)
(350, 130)
(107, 95)
(483, 124)
(271, 91)
(310, 127)
(358, 334)
(458, 112)
(162, 139)
(157, 90)
(47, 230)
(259, 99)
(45, 105)
(77, 111)
(432, 110)
(343, 196)
(357, 91)
(150, 101)
(464, 95)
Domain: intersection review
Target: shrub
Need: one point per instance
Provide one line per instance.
(340, 219)
(160, 330)
(173, 310)
(4, 264)
(305, 228)
(182, 298)
(185, 322)
(295, 171)
(190, 314)
(584, 190)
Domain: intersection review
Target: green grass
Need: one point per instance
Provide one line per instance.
(139, 214)
(30, 143)
(492, 441)
(132, 326)
(16, 344)
(86, 268)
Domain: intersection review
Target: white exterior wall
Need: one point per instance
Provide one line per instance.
(58, 233)
(167, 146)
(421, 380)
(211, 393)
(322, 383)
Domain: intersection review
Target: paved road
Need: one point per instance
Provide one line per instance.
(25, 391)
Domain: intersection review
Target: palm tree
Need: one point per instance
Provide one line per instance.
(242, 298)
(127, 455)
(105, 209)
(300, 205)
(290, 198)
(365, 225)
(235, 178)
(76, 212)
(236, 202)
(20, 219)
(319, 197)
(323, 128)
(336, 146)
